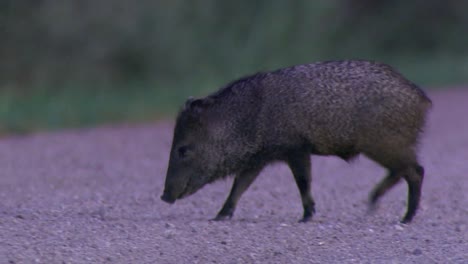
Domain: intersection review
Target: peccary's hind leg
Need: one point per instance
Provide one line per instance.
(240, 185)
(414, 177)
(300, 166)
(400, 163)
(386, 184)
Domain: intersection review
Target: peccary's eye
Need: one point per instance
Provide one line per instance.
(183, 151)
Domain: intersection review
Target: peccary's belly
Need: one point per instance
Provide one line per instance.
(333, 144)
(340, 142)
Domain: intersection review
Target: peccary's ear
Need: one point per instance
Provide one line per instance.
(189, 102)
(198, 105)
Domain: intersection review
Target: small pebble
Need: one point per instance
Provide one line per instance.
(19, 216)
(169, 234)
(460, 228)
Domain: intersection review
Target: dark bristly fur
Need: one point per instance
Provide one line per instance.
(340, 108)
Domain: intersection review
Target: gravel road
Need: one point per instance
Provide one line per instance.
(92, 196)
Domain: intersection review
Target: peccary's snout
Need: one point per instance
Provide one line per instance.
(166, 197)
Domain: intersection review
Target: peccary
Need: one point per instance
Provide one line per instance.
(340, 108)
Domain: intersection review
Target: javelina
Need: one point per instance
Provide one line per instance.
(340, 108)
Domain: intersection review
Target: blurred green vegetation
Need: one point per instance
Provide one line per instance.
(84, 63)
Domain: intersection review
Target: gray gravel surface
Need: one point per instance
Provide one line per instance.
(92, 196)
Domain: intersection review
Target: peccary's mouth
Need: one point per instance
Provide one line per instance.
(184, 193)
(188, 190)
(166, 197)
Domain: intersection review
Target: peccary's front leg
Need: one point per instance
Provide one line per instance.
(240, 185)
(299, 162)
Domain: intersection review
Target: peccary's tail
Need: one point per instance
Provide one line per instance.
(427, 102)
(424, 107)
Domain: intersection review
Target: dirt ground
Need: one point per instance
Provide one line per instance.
(92, 196)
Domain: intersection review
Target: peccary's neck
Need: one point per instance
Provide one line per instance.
(238, 105)
(236, 108)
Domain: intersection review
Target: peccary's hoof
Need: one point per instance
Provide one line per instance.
(308, 213)
(405, 220)
(222, 217)
(306, 219)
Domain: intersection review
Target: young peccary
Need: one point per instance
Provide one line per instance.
(340, 108)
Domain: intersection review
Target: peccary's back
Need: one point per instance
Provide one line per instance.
(341, 104)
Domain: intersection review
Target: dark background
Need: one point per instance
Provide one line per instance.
(85, 63)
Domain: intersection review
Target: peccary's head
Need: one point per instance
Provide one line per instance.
(197, 150)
